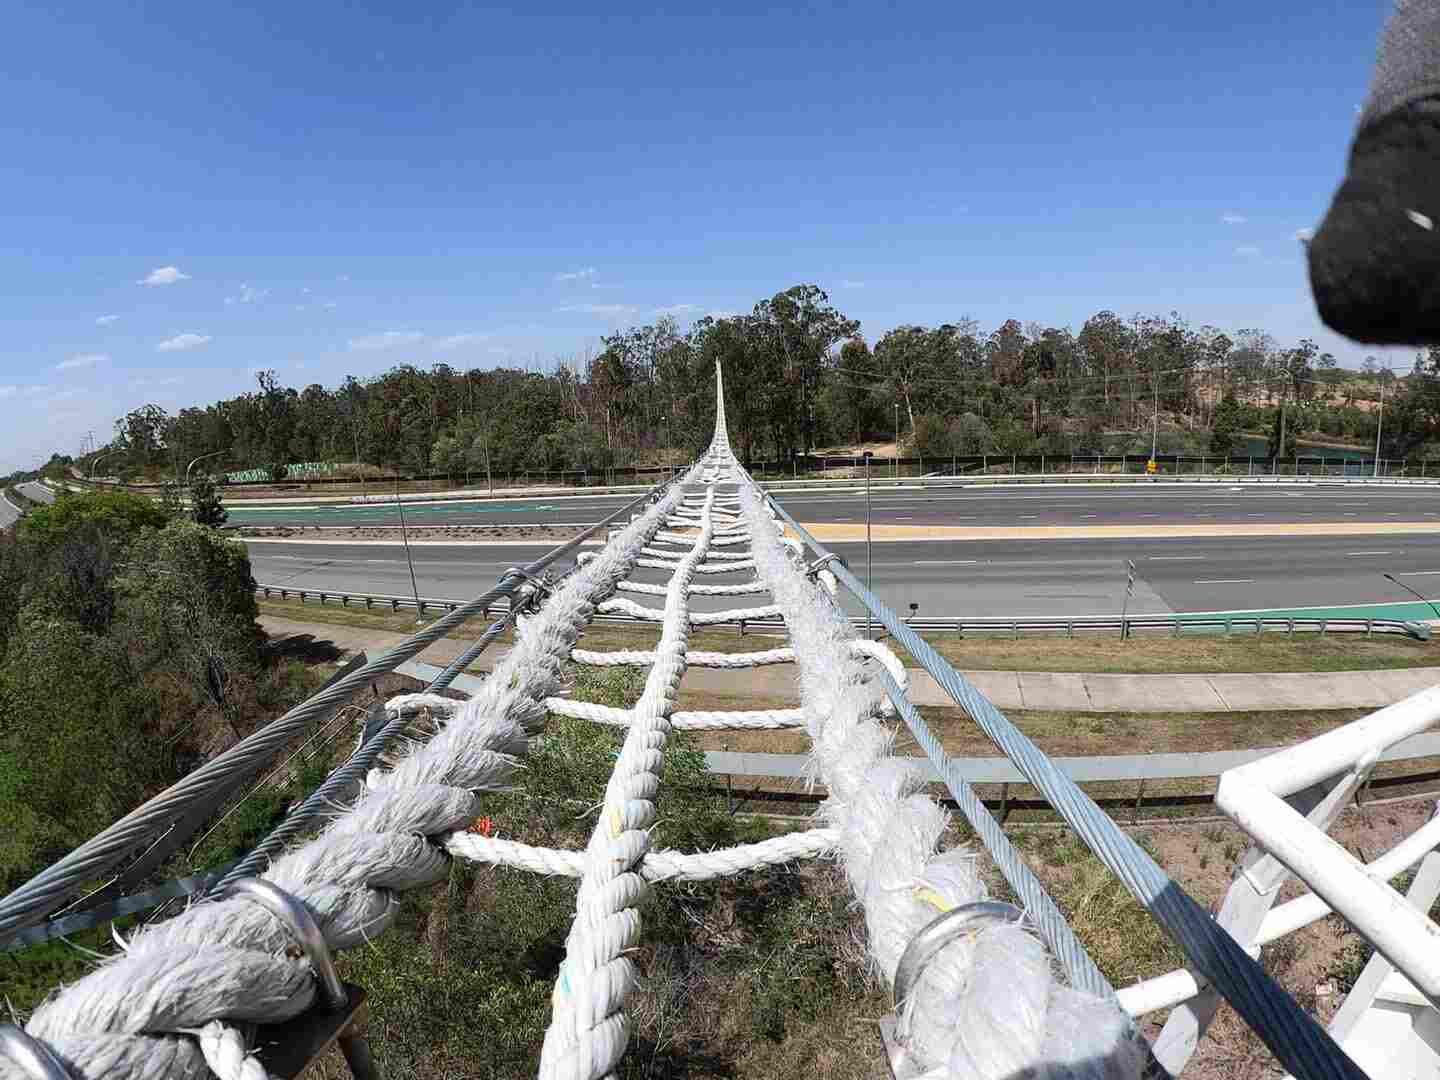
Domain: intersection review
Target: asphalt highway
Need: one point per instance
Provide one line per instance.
(973, 578)
(965, 507)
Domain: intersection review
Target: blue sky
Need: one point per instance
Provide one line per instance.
(191, 192)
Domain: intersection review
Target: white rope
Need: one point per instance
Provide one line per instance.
(723, 568)
(657, 865)
(756, 720)
(621, 606)
(745, 588)
(644, 658)
(230, 960)
(588, 1032)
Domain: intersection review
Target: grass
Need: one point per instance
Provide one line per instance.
(1195, 654)
(748, 976)
(1062, 734)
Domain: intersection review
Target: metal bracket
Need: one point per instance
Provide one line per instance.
(924, 947)
(527, 601)
(819, 564)
(288, 1049)
(36, 1060)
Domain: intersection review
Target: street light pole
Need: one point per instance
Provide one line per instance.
(1379, 426)
(897, 441)
(1425, 599)
(102, 457)
(202, 457)
(1154, 417)
(405, 538)
(869, 551)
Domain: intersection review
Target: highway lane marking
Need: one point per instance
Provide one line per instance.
(1175, 558)
(941, 562)
(1226, 581)
(1418, 573)
(1354, 554)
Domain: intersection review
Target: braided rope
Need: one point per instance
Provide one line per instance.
(756, 720)
(745, 588)
(984, 1007)
(657, 865)
(588, 1032)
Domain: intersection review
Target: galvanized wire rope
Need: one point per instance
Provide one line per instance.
(1299, 1043)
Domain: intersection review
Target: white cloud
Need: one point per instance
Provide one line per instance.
(1234, 219)
(106, 320)
(600, 309)
(248, 295)
(81, 360)
(1248, 251)
(577, 275)
(35, 391)
(677, 309)
(721, 314)
(181, 342)
(1307, 234)
(850, 283)
(329, 305)
(460, 341)
(8, 391)
(390, 339)
(165, 275)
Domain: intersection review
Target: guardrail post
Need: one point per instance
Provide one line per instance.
(742, 628)
(1291, 631)
(395, 606)
(1323, 624)
(1004, 802)
(1070, 628)
(322, 599)
(1227, 627)
(1139, 797)
(1369, 628)
(1175, 630)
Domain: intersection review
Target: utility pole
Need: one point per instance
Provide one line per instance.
(1379, 426)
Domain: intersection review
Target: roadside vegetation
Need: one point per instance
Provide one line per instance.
(130, 652)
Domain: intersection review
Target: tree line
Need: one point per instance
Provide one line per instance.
(799, 377)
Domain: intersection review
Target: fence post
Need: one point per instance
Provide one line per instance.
(1323, 623)
(1227, 627)
(1291, 631)
(1369, 628)
(395, 606)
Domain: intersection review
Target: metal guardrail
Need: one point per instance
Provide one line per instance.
(1176, 625)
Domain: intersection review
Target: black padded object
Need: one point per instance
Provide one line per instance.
(1374, 263)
